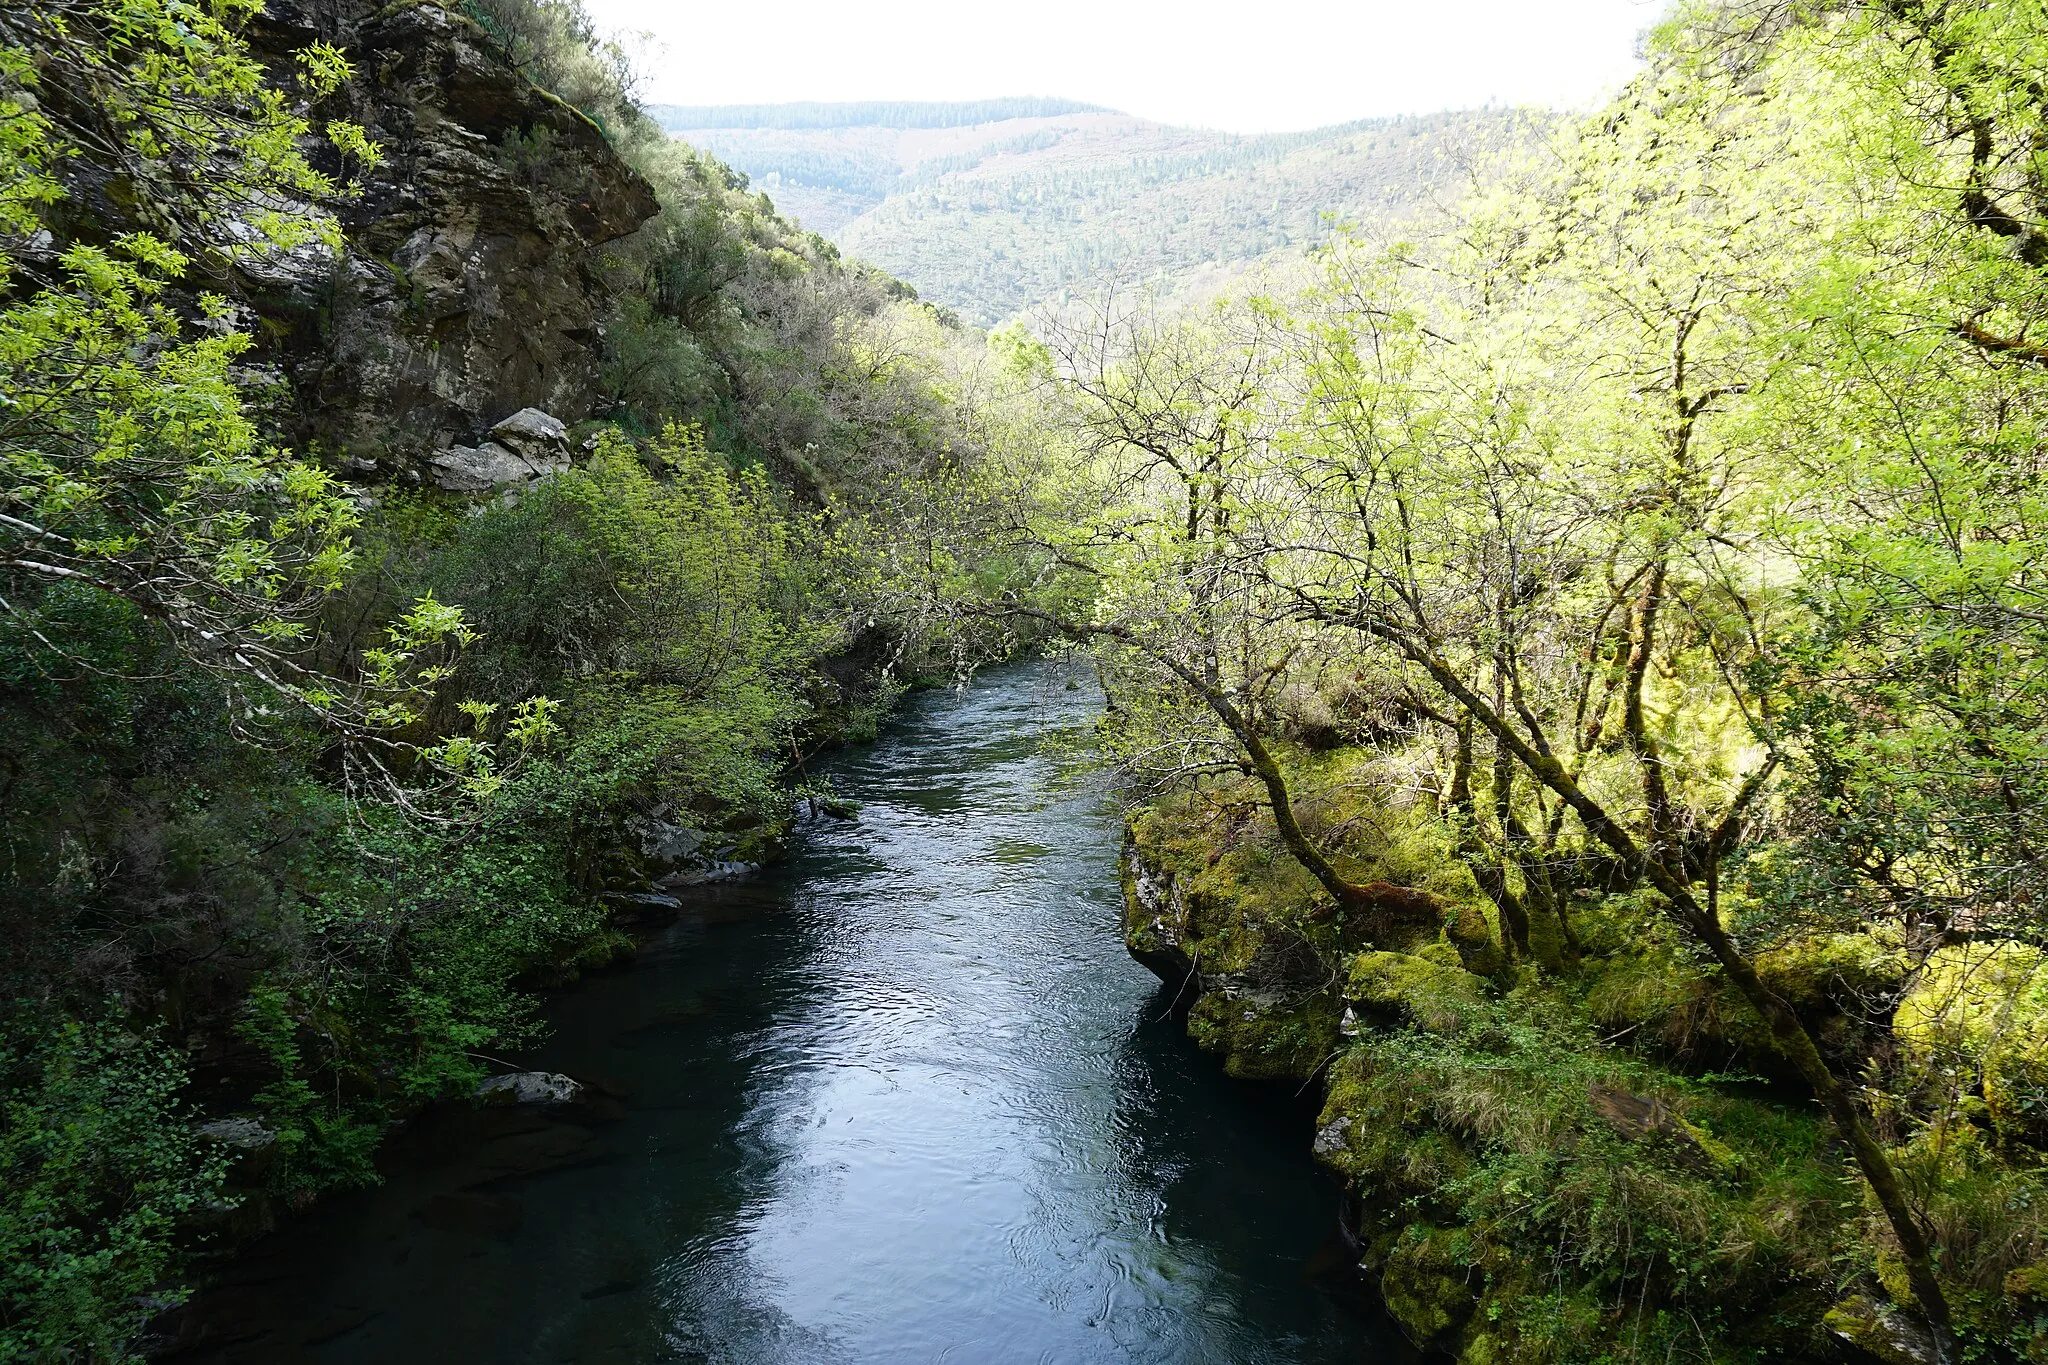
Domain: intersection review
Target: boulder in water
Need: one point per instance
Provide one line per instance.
(544, 1088)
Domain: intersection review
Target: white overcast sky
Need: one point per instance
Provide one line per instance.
(1247, 67)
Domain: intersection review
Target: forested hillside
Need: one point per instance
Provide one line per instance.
(997, 208)
(865, 114)
(413, 555)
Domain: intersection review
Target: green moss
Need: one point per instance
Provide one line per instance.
(1480, 1120)
(1246, 919)
(1981, 1011)
(1412, 989)
(1262, 1040)
(1425, 1285)
(1877, 1332)
(1809, 971)
(1540, 1171)
(1475, 940)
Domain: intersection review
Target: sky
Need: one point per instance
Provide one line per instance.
(1251, 66)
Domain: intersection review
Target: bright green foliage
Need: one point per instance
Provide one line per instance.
(1666, 530)
(1914, 413)
(92, 1121)
(413, 944)
(128, 464)
(672, 612)
(468, 714)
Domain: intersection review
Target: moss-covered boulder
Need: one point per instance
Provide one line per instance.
(1880, 1332)
(1510, 1174)
(1643, 981)
(1237, 935)
(1265, 1038)
(1426, 1285)
(1253, 946)
(1468, 931)
(1406, 988)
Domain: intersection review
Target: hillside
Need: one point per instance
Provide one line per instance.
(990, 216)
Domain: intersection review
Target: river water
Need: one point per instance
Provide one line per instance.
(900, 1098)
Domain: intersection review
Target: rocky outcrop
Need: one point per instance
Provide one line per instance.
(528, 445)
(1246, 965)
(469, 284)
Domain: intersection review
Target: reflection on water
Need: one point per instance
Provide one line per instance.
(901, 1098)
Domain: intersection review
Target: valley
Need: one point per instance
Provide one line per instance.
(994, 217)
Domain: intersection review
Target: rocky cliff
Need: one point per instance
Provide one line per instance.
(470, 286)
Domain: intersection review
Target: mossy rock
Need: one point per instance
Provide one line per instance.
(1808, 973)
(1467, 930)
(1263, 1039)
(2028, 1288)
(1667, 998)
(1880, 1331)
(2029, 1282)
(1426, 1285)
(1413, 989)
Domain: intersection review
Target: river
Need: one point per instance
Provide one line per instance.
(900, 1098)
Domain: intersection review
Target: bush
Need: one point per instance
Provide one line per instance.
(101, 1165)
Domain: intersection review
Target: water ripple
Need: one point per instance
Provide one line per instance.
(902, 1098)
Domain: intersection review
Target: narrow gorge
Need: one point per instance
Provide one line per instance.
(1421, 739)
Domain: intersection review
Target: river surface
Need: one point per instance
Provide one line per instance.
(901, 1098)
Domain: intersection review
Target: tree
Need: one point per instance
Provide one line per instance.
(1539, 488)
(144, 147)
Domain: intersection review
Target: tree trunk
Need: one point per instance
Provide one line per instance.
(1787, 1030)
(1383, 904)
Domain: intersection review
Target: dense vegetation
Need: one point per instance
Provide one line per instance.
(998, 219)
(1578, 666)
(1587, 659)
(304, 785)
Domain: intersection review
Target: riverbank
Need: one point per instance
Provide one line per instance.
(902, 1092)
(1539, 1167)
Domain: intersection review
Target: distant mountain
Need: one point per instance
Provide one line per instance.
(865, 114)
(992, 207)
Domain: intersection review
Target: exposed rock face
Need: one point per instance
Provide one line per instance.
(530, 445)
(245, 1133)
(469, 285)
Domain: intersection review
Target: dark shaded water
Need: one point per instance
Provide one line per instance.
(902, 1098)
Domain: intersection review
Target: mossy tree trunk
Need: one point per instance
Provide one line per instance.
(1663, 867)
